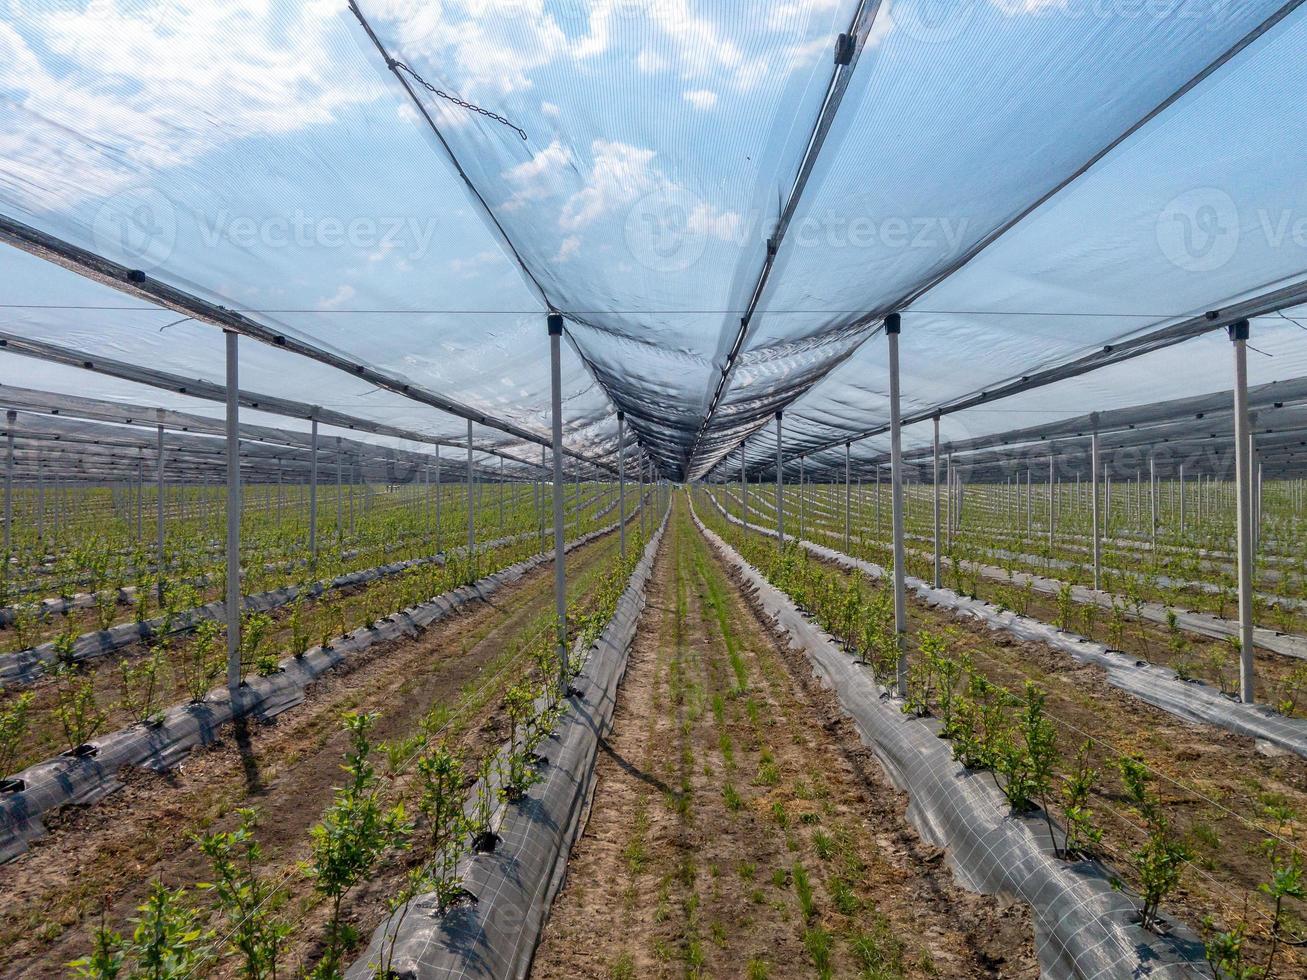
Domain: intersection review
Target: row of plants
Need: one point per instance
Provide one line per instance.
(84, 699)
(1010, 734)
(267, 563)
(1123, 626)
(402, 801)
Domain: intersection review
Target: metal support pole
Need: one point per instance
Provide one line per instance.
(744, 492)
(1093, 484)
(939, 578)
(313, 494)
(1243, 498)
(621, 479)
(1182, 507)
(848, 498)
(340, 504)
(158, 515)
(1052, 518)
(501, 494)
(471, 502)
(892, 327)
(1152, 504)
(802, 508)
(233, 604)
(12, 418)
(560, 575)
(780, 502)
(438, 481)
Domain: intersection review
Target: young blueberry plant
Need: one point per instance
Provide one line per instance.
(355, 832)
(247, 899)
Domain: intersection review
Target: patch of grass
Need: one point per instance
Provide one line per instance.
(823, 845)
(818, 942)
(747, 870)
(844, 898)
(803, 890)
(779, 814)
(877, 952)
(732, 797)
(757, 969)
(623, 967)
(780, 878)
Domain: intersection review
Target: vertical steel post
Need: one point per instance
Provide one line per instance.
(1243, 499)
(892, 326)
(12, 418)
(471, 502)
(621, 479)
(340, 503)
(140, 492)
(233, 604)
(1051, 517)
(1182, 495)
(438, 482)
(40, 497)
(313, 493)
(158, 514)
(1093, 486)
(848, 498)
(501, 495)
(780, 502)
(744, 492)
(555, 323)
(802, 507)
(939, 578)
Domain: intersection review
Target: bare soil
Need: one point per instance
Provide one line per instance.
(730, 787)
(102, 858)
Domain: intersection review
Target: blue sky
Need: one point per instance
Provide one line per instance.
(260, 154)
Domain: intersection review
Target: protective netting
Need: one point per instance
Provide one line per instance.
(1029, 183)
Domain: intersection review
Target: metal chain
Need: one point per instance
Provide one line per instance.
(395, 65)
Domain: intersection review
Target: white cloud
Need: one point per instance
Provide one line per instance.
(701, 98)
(472, 263)
(620, 174)
(540, 177)
(343, 295)
(708, 221)
(130, 91)
(569, 247)
(650, 62)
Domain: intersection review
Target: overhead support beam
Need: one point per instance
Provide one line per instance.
(136, 283)
(893, 324)
(1239, 333)
(848, 50)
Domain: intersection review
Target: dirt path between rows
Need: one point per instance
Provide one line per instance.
(740, 829)
(105, 856)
